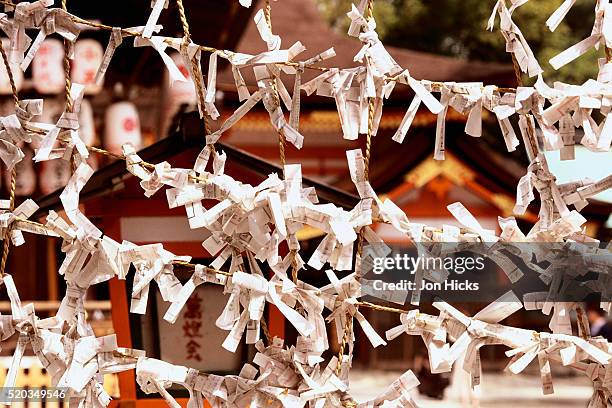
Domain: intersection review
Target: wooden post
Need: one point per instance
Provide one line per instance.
(52, 290)
(276, 322)
(120, 314)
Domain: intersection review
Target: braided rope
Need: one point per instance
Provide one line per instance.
(196, 69)
(580, 319)
(368, 152)
(348, 327)
(116, 156)
(282, 144)
(294, 266)
(368, 147)
(7, 236)
(268, 13)
(381, 308)
(262, 322)
(69, 102)
(266, 330)
(183, 18)
(282, 141)
(517, 71)
(370, 9)
(531, 137)
(7, 240)
(9, 71)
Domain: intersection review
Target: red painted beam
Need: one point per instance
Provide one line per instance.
(120, 316)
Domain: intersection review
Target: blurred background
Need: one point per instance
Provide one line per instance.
(445, 40)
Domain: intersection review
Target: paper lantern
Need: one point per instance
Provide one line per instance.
(178, 94)
(88, 56)
(48, 67)
(87, 128)
(121, 125)
(54, 175)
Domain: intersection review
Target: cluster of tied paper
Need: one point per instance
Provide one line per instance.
(249, 223)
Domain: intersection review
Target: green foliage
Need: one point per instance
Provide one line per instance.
(458, 28)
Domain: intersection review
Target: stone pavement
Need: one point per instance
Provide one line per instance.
(498, 390)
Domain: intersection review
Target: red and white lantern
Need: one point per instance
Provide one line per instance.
(178, 94)
(121, 125)
(48, 67)
(88, 55)
(54, 175)
(87, 128)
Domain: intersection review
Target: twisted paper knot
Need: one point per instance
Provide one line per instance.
(11, 222)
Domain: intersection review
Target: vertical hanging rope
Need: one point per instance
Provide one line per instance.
(368, 146)
(368, 149)
(13, 187)
(262, 322)
(345, 338)
(195, 67)
(67, 67)
(68, 85)
(265, 330)
(10, 75)
(7, 236)
(348, 327)
(517, 71)
(370, 9)
(268, 13)
(368, 152)
(584, 333)
(183, 18)
(282, 141)
(371, 102)
(519, 82)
